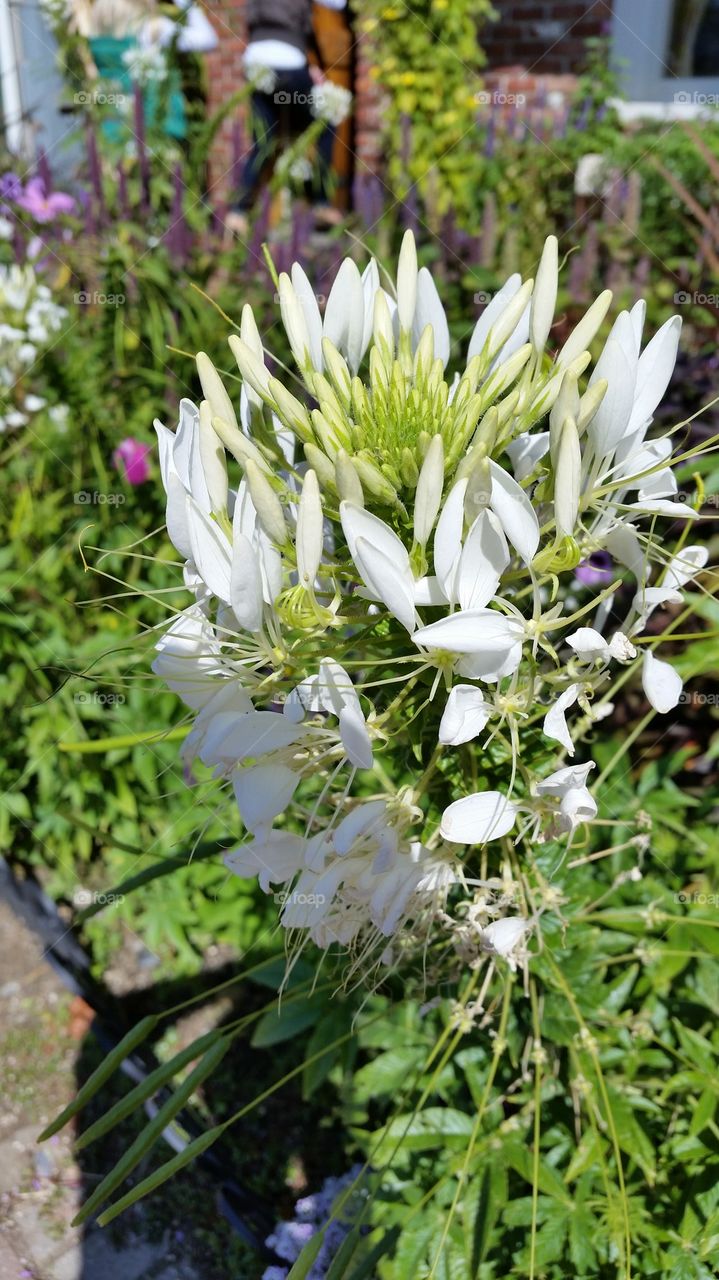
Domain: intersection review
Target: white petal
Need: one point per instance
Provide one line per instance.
(232, 738)
(391, 583)
(612, 417)
(555, 721)
(429, 310)
(577, 805)
(246, 584)
(428, 494)
(526, 451)
(311, 312)
(660, 507)
(588, 643)
(213, 463)
(274, 859)
(427, 591)
(211, 551)
(465, 715)
(448, 539)
(656, 366)
(310, 530)
(502, 936)
(358, 523)
(515, 513)
(475, 819)
(355, 738)
(262, 792)
(484, 558)
(491, 313)
(366, 819)
(565, 779)
(662, 684)
(684, 566)
(473, 631)
(344, 319)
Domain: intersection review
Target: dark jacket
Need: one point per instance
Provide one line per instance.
(288, 20)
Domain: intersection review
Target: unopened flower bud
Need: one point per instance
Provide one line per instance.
(266, 504)
(214, 462)
(429, 491)
(214, 391)
(347, 481)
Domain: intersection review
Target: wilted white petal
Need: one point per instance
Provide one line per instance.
(555, 721)
(474, 819)
(232, 738)
(588, 644)
(501, 937)
(274, 859)
(366, 819)
(465, 715)
(661, 683)
(684, 566)
(565, 779)
(355, 738)
(576, 805)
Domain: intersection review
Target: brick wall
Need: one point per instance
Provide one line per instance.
(545, 36)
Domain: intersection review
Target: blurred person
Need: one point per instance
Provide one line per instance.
(127, 40)
(277, 64)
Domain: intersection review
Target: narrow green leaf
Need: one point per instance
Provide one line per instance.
(344, 1255)
(146, 1088)
(167, 1170)
(150, 1134)
(98, 1078)
(367, 1269)
(307, 1257)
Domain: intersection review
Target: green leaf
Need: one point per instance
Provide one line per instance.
(285, 1021)
(387, 1072)
(329, 1029)
(99, 1077)
(307, 1257)
(153, 1131)
(161, 1076)
(167, 1170)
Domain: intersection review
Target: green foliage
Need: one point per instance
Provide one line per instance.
(427, 58)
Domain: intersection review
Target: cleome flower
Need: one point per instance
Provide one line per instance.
(384, 649)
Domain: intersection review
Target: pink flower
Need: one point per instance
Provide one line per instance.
(42, 207)
(131, 458)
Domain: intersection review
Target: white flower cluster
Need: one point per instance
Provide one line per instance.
(28, 320)
(414, 573)
(146, 64)
(331, 102)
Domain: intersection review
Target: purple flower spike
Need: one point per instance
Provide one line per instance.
(131, 458)
(597, 571)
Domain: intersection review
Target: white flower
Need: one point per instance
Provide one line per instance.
(567, 788)
(590, 645)
(505, 938)
(474, 819)
(662, 684)
(331, 102)
(555, 721)
(465, 715)
(332, 692)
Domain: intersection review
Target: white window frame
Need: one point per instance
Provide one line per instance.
(641, 31)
